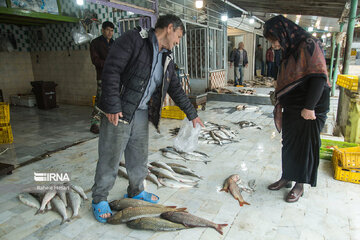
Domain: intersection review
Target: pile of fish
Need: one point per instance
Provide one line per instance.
(231, 184)
(171, 175)
(247, 124)
(57, 198)
(247, 91)
(212, 133)
(156, 217)
(261, 81)
(223, 90)
(173, 153)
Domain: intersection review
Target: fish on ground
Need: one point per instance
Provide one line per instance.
(122, 172)
(160, 164)
(121, 204)
(75, 202)
(175, 184)
(59, 206)
(154, 224)
(47, 198)
(132, 213)
(230, 185)
(185, 171)
(190, 220)
(152, 178)
(29, 200)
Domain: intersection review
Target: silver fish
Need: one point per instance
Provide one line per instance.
(191, 157)
(47, 198)
(221, 135)
(160, 172)
(201, 153)
(29, 200)
(185, 171)
(152, 178)
(215, 138)
(59, 206)
(48, 206)
(62, 195)
(252, 184)
(75, 202)
(175, 184)
(176, 165)
(160, 164)
(122, 172)
(79, 190)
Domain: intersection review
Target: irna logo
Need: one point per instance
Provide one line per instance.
(51, 177)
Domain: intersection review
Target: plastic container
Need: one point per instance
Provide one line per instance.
(327, 147)
(348, 81)
(347, 157)
(4, 113)
(346, 174)
(6, 135)
(173, 112)
(45, 94)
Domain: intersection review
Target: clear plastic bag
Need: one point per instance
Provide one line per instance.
(79, 35)
(187, 138)
(94, 31)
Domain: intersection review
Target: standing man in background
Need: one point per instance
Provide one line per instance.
(240, 60)
(99, 49)
(270, 61)
(259, 60)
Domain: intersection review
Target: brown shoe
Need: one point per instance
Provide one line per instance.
(94, 128)
(294, 196)
(279, 185)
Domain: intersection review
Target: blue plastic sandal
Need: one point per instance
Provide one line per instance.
(100, 209)
(145, 196)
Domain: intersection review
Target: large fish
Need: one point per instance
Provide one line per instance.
(77, 189)
(185, 171)
(230, 185)
(175, 184)
(152, 178)
(176, 165)
(172, 155)
(155, 224)
(190, 220)
(75, 202)
(129, 214)
(59, 206)
(47, 198)
(62, 195)
(162, 165)
(29, 200)
(160, 172)
(121, 204)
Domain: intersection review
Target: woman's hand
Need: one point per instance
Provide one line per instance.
(308, 114)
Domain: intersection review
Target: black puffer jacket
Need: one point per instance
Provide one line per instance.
(126, 75)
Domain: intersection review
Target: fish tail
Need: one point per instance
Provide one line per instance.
(224, 190)
(181, 209)
(219, 228)
(242, 203)
(75, 217)
(40, 211)
(65, 220)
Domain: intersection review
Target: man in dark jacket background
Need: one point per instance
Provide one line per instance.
(240, 60)
(138, 73)
(99, 49)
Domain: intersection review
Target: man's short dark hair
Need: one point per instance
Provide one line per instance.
(167, 19)
(107, 24)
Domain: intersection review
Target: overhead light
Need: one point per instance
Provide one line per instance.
(314, 34)
(328, 34)
(224, 17)
(199, 3)
(310, 29)
(130, 13)
(80, 2)
(251, 20)
(323, 36)
(326, 28)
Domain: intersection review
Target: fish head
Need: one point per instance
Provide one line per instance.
(167, 214)
(235, 177)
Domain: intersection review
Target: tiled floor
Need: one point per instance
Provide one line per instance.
(329, 211)
(38, 131)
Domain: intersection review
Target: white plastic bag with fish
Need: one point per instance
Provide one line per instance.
(187, 138)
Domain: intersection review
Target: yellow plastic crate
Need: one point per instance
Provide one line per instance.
(348, 81)
(4, 113)
(346, 174)
(347, 157)
(172, 112)
(6, 135)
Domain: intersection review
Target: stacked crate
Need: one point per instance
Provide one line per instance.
(6, 135)
(346, 163)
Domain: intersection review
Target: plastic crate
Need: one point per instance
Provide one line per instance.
(348, 81)
(4, 113)
(346, 174)
(347, 157)
(6, 135)
(327, 147)
(172, 112)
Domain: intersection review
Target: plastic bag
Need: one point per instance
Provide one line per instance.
(94, 31)
(187, 138)
(79, 35)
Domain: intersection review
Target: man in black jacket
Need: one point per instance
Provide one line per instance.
(138, 73)
(99, 49)
(240, 60)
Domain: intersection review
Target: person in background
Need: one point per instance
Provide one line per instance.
(259, 59)
(277, 62)
(270, 61)
(302, 102)
(99, 48)
(239, 58)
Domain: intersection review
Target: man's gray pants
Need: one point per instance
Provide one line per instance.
(132, 140)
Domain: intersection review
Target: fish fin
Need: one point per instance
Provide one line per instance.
(224, 190)
(196, 185)
(171, 206)
(219, 228)
(242, 203)
(75, 217)
(64, 221)
(181, 209)
(39, 211)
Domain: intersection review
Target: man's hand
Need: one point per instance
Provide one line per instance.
(197, 120)
(114, 118)
(308, 114)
